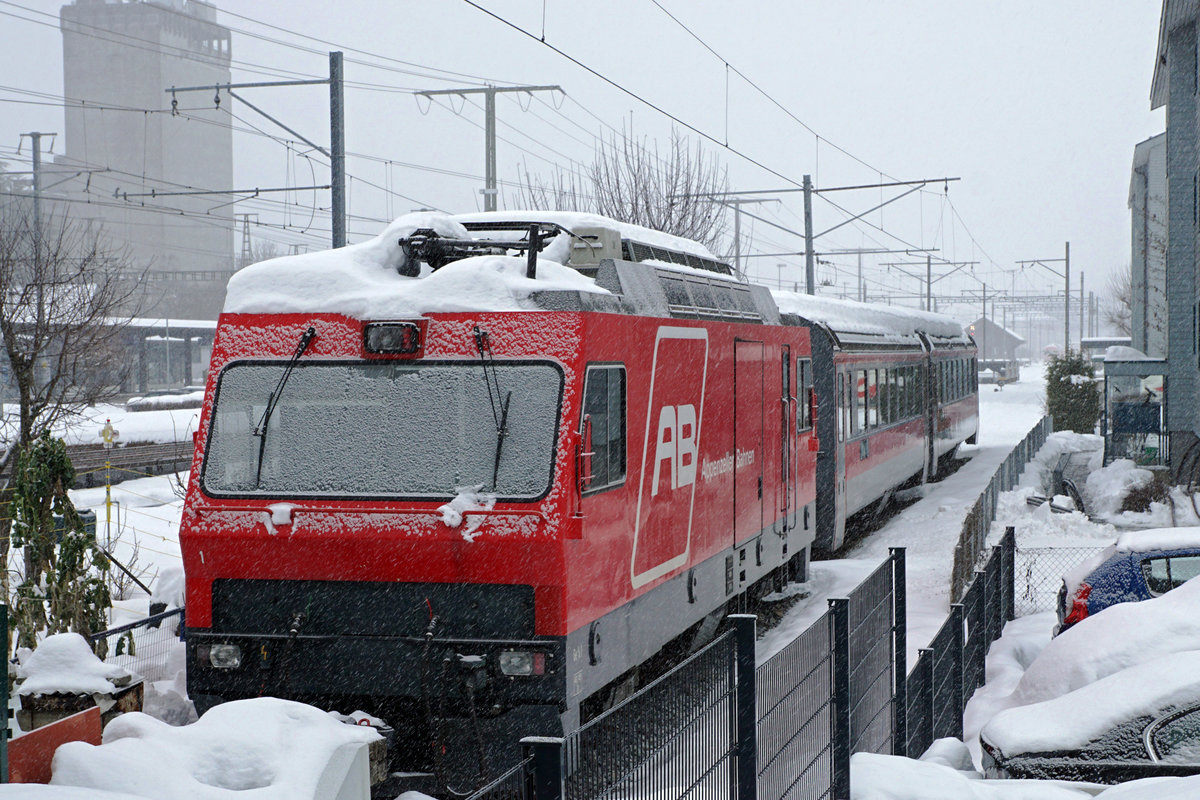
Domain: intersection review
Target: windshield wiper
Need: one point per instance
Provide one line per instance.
(499, 407)
(260, 430)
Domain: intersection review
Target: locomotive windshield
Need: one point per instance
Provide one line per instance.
(411, 429)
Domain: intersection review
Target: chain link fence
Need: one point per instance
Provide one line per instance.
(1039, 572)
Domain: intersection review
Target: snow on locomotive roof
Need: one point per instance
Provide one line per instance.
(869, 319)
(573, 219)
(362, 280)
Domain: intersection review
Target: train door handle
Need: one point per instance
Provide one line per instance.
(760, 487)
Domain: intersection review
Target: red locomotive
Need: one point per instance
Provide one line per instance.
(484, 495)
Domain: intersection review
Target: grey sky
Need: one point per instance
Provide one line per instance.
(1035, 105)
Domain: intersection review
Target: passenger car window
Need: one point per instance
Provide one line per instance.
(604, 402)
(804, 385)
(1177, 741)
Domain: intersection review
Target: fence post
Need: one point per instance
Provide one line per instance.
(746, 720)
(839, 617)
(899, 654)
(1008, 552)
(958, 668)
(546, 778)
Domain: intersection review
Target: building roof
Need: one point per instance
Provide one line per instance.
(1174, 14)
(993, 328)
(1141, 159)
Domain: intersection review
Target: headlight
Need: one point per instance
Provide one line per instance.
(225, 656)
(522, 662)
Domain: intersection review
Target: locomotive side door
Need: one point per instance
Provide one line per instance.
(749, 393)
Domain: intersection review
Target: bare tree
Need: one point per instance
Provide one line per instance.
(66, 297)
(1118, 306)
(633, 181)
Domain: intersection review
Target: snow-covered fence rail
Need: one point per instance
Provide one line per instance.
(951, 668)
(145, 647)
(979, 519)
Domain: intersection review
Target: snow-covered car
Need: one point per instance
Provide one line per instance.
(1139, 566)
(1140, 722)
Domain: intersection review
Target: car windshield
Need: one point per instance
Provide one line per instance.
(394, 429)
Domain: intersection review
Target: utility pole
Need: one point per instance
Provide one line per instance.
(247, 250)
(489, 128)
(1067, 298)
(336, 153)
(337, 147)
(810, 274)
(862, 289)
(1066, 276)
(1081, 311)
(737, 203)
(36, 139)
(983, 327)
(929, 283)
(809, 190)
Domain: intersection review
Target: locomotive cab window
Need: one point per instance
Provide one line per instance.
(604, 404)
(420, 430)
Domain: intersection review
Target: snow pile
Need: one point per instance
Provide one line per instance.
(362, 280)
(1120, 636)
(1120, 352)
(1108, 487)
(468, 498)
(1143, 541)
(1071, 721)
(1056, 445)
(64, 663)
(169, 587)
(850, 316)
(159, 402)
(264, 748)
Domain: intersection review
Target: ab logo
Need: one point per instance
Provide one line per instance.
(676, 450)
(662, 535)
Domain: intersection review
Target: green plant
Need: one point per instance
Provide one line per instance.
(1072, 396)
(63, 587)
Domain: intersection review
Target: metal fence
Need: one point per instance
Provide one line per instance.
(716, 726)
(952, 667)
(872, 659)
(794, 696)
(675, 738)
(975, 528)
(145, 647)
(1039, 572)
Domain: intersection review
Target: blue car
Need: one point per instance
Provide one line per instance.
(1141, 565)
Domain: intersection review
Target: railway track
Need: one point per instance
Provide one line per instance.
(130, 461)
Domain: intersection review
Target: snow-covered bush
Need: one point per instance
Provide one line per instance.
(62, 586)
(1072, 397)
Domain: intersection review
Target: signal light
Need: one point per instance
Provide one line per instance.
(522, 663)
(392, 338)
